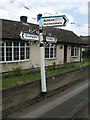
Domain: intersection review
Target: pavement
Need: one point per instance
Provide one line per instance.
(65, 104)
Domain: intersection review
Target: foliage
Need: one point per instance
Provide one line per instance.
(86, 54)
(17, 71)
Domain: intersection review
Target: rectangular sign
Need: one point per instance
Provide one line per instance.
(29, 36)
(51, 39)
(54, 21)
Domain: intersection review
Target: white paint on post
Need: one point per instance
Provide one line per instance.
(41, 37)
(43, 79)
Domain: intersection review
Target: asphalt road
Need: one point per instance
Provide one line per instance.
(66, 104)
(83, 112)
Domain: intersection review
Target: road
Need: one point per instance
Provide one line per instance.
(66, 104)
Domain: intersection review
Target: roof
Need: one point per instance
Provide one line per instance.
(12, 29)
(86, 39)
(65, 36)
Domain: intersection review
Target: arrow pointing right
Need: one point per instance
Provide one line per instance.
(54, 21)
(65, 20)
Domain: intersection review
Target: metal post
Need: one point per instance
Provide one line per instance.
(43, 79)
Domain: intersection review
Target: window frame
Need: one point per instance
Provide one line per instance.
(13, 47)
(51, 47)
(8, 48)
(2, 47)
(75, 51)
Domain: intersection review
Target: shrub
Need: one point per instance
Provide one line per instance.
(17, 71)
(86, 54)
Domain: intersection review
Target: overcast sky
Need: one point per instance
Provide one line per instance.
(76, 11)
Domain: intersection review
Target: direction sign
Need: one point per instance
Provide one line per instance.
(29, 36)
(51, 39)
(54, 21)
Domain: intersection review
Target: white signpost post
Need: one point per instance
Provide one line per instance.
(51, 21)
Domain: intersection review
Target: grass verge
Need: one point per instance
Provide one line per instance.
(15, 80)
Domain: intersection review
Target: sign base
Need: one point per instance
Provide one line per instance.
(43, 94)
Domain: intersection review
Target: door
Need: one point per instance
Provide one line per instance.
(65, 53)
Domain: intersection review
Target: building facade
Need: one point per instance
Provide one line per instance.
(25, 54)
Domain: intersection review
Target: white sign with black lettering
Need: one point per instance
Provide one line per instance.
(51, 39)
(54, 21)
(29, 36)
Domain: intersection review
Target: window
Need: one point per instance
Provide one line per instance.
(74, 51)
(1, 51)
(22, 51)
(50, 51)
(47, 52)
(27, 50)
(14, 51)
(8, 51)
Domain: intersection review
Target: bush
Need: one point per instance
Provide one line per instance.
(86, 54)
(17, 71)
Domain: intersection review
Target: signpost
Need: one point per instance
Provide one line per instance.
(51, 21)
(43, 78)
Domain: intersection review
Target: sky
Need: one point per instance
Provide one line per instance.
(76, 12)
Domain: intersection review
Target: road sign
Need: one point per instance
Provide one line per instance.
(29, 36)
(51, 39)
(54, 21)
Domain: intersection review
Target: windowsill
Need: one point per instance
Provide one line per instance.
(50, 58)
(74, 56)
(15, 61)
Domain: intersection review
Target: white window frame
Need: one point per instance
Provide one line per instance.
(75, 50)
(13, 53)
(8, 47)
(49, 47)
(26, 51)
(23, 51)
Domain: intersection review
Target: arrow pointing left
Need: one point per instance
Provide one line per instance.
(29, 36)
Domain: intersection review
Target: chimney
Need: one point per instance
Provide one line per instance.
(23, 19)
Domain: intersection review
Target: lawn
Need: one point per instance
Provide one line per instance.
(8, 81)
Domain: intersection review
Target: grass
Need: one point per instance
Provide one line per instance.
(15, 80)
(12, 81)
